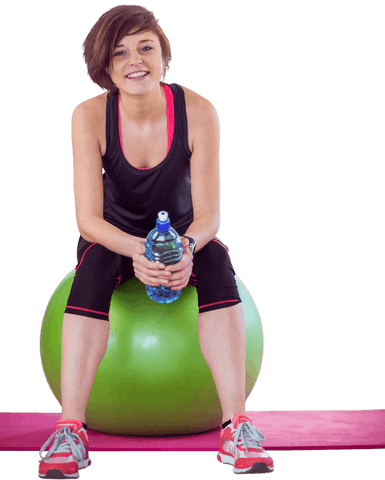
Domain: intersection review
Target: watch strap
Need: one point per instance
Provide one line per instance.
(193, 243)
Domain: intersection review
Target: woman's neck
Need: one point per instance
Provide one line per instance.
(142, 109)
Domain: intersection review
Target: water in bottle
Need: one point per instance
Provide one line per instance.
(163, 245)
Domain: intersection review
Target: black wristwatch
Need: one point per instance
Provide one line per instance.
(192, 245)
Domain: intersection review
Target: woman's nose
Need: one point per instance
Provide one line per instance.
(135, 60)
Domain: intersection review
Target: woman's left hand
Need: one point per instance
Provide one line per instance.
(181, 271)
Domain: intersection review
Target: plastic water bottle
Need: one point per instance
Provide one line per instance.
(163, 245)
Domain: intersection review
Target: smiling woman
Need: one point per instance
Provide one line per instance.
(106, 35)
(137, 57)
(159, 147)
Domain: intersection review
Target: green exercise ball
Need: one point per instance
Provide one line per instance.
(153, 379)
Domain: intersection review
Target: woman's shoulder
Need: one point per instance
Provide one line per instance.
(93, 108)
(198, 106)
(194, 100)
(89, 117)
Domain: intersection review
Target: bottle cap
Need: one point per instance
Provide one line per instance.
(163, 222)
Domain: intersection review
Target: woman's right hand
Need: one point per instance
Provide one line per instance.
(149, 273)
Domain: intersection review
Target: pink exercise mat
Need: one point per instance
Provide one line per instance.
(295, 430)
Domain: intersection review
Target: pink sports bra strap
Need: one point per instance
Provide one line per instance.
(170, 115)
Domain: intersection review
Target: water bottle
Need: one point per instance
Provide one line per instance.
(163, 245)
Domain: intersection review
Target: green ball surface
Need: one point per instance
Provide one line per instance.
(153, 379)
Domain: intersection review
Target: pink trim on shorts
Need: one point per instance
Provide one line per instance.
(225, 301)
(87, 310)
(217, 303)
(219, 243)
(83, 257)
(170, 120)
(195, 281)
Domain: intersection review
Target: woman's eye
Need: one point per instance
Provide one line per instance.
(145, 48)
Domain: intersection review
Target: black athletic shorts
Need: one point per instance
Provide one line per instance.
(99, 271)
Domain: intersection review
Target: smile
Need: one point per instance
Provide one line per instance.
(137, 75)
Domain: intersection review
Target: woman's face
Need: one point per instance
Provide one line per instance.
(137, 65)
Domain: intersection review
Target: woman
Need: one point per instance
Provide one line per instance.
(159, 147)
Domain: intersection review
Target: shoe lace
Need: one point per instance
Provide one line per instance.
(248, 435)
(64, 442)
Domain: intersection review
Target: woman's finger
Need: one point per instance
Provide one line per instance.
(180, 279)
(148, 272)
(151, 273)
(150, 277)
(181, 283)
(183, 262)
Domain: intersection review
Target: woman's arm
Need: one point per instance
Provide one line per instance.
(203, 130)
(88, 184)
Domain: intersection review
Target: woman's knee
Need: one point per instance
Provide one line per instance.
(214, 255)
(98, 260)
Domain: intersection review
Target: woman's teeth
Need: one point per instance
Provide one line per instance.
(137, 75)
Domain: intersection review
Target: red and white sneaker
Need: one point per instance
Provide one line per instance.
(68, 454)
(240, 446)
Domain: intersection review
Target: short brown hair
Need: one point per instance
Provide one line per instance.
(111, 27)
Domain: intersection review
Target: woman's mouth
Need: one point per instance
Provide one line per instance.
(137, 75)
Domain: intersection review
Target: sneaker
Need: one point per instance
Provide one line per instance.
(240, 447)
(68, 454)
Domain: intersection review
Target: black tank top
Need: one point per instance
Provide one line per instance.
(133, 197)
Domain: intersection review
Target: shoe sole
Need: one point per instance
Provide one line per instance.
(57, 474)
(258, 467)
(54, 473)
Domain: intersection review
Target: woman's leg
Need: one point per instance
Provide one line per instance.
(221, 330)
(222, 341)
(84, 343)
(85, 338)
